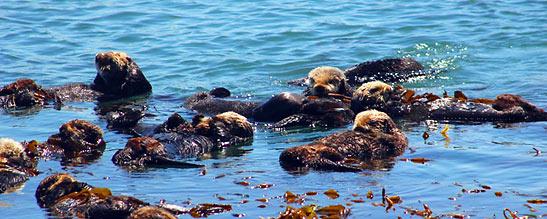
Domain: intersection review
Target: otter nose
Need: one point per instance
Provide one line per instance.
(320, 90)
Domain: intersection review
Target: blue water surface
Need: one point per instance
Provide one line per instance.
(485, 48)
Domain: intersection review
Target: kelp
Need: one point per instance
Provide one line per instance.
(207, 209)
(305, 212)
(332, 194)
(85, 194)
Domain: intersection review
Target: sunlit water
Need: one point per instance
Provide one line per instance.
(252, 48)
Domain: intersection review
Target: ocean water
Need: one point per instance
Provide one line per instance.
(253, 48)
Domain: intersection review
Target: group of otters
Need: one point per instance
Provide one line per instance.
(329, 100)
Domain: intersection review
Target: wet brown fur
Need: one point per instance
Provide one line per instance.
(374, 136)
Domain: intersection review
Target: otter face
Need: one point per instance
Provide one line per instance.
(371, 95)
(374, 92)
(140, 145)
(118, 74)
(11, 150)
(112, 66)
(22, 93)
(56, 186)
(138, 151)
(228, 127)
(324, 80)
(78, 136)
(374, 121)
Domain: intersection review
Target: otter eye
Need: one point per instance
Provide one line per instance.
(332, 81)
(374, 90)
(311, 81)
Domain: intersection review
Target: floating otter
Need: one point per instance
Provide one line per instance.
(285, 109)
(398, 102)
(207, 103)
(324, 80)
(374, 136)
(64, 196)
(177, 139)
(225, 129)
(117, 76)
(387, 70)
(278, 107)
(78, 141)
(380, 96)
(140, 152)
(22, 93)
(322, 112)
(16, 165)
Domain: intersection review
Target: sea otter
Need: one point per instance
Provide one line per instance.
(64, 196)
(78, 141)
(16, 165)
(398, 102)
(323, 112)
(175, 139)
(326, 80)
(117, 76)
(22, 93)
(141, 152)
(285, 109)
(387, 70)
(208, 103)
(374, 136)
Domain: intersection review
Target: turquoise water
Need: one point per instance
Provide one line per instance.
(252, 48)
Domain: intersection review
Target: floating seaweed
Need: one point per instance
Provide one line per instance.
(332, 194)
(207, 209)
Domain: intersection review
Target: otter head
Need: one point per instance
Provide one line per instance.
(79, 138)
(119, 75)
(13, 153)
(324, 80)
(141, 152)
(371, 95)
(138, 151)
(225, 128)
(23, 93)
(374, 121)
(506, 102)
(56, 186)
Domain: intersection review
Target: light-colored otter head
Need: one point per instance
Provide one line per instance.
(374, 92)
(11, 150)
(232, 119)
(118, 74)
(110, 65)
(325, 79)
(224, 127)
(374, 121)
